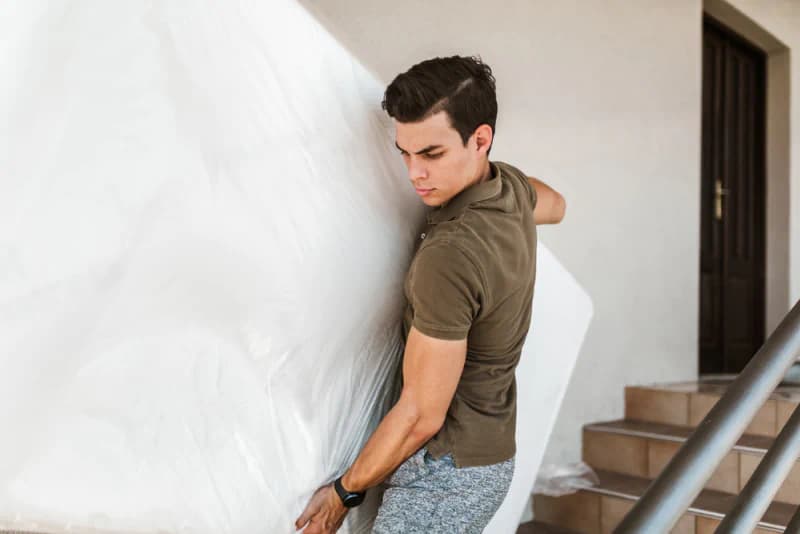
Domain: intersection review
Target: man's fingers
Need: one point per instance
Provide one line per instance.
(313, 528)
(304, 517)
(312, 508)
(320, 515)
(321, 523)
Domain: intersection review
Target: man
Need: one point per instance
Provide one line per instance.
(448, 443)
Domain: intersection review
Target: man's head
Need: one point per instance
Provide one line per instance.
(445, 111)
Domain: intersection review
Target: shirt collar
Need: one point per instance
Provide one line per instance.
(475, 193)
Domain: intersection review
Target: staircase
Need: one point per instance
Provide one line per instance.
(627, 454)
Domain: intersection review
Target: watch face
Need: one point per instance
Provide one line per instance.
(353, 499)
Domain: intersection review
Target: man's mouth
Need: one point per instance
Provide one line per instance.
(423, 192)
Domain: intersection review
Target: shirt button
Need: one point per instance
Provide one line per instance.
(422, 235)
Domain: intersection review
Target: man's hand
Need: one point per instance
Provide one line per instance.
(324, 513)
(431, 371)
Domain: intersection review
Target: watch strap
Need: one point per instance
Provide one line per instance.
(349, 498)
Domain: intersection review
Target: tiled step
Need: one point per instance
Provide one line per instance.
(600, 509)
(643, 449)
(687, 403)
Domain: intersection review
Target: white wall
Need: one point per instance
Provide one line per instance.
(602, 99)
(778, 186)
(781, 18)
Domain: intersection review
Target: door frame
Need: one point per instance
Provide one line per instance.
(777, 154)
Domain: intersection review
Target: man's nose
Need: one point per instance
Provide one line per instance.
(417, 172)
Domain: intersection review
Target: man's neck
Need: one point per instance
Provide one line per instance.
(485, 174)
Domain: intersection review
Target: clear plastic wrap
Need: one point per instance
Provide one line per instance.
(563, 479)
(204, 228)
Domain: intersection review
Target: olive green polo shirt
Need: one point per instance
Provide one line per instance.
(472, 277)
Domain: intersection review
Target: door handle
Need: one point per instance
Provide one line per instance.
(719, 192)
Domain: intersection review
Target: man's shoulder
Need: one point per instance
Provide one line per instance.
(509, 168)
(456, 258)
(516, 175)
(446, 248)
(462, 236)
(505, 164)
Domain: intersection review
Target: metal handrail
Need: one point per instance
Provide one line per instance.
(671, 493)
(755, 497)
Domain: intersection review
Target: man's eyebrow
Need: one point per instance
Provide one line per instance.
(423, 151)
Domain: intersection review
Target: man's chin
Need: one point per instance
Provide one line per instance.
(432, 202)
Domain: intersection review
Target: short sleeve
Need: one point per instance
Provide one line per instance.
(533, 194)
(446, 292)
(520, 177)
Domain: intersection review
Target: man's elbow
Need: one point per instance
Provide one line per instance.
(424, 421)
(559, 210)
(427, 426)
(552, 211)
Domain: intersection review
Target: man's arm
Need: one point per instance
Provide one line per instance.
(550, 205)
(431, 371)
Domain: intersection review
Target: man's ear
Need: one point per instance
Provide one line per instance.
(483, 137)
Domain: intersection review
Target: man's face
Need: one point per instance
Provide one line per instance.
(439, 165)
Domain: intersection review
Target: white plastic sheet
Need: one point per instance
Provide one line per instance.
(203, 232)
(557, 480)
(204, 227)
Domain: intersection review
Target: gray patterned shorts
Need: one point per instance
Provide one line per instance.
(428, 496)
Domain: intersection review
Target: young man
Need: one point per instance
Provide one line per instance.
(448, 442)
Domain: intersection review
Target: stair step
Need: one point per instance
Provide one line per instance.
(646, 429)
(601, 508)
(644, 449)
(687, 403)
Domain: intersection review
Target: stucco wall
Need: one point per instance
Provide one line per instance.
(781, 19)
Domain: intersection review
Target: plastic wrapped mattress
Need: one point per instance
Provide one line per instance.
(204, 228)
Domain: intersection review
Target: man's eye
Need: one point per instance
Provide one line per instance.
(433, 156)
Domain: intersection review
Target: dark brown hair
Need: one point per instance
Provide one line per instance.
(464, 87)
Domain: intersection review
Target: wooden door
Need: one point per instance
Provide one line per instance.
(732, 233)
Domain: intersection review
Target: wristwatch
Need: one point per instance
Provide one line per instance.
(349, 499)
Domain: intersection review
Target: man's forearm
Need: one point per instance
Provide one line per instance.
(401, 433)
